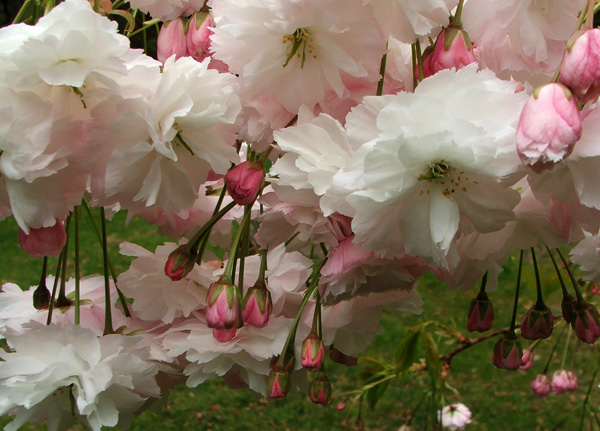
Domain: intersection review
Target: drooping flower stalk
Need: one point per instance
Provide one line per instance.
(108, 328)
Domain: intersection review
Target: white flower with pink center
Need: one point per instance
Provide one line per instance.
(296, 51)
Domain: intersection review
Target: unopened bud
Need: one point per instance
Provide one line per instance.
(41, 297)
(507, 352)
(257, 306)
(586, 322)
(44, 241)
(580, 67)
(222, 311)
(320, 389)
(549, 126)
(481, 314)
(172, 40)
(224, 335)
(244, 181)
(179, 263)
(312, 352)
(452, 50)
(279, 383)
(538, 323)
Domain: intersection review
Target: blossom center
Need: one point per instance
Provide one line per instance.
(299, 44)
(435, 171)
(447, 176)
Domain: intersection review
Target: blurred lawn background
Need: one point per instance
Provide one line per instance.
(499, 400)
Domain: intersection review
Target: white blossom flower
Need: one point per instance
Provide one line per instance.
(61, 373)
(156, 296)
(586, 254)
(416, 184)
(296, 51)
(248, 353)
(455, 416)
(70, 46)
(38, 160)
(163, 151)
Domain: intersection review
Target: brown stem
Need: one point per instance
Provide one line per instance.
(470, 342)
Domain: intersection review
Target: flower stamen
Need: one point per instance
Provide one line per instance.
(299, 39)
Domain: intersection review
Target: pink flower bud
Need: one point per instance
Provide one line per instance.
(179, 263)
(586, 322)
(45, 241)
(223, 306)
(538, 323)
(549, 126)
(540, 386)
(224, 335)
(580, 68)
(481, 314)
(257, 306)
(507, 352)
(526, 360)
(198, 35)
(341, 406)
(312, 352)
(452, 50)
(172, 40)
(244, 181)
(279, 383)
(320, 389)
(560, 382)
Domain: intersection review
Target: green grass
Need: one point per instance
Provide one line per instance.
(499, 400)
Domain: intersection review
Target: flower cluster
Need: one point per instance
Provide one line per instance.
(311, 160)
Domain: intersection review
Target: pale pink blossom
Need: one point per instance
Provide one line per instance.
(66, 372)
(560, 382)
(176, 138)
(406, 20)
(521, 37)
(540, 386)
(155, 296)
(295, 52)
(455, 416)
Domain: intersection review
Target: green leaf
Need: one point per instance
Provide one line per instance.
(374, 394)
(407, 352)
(432, 358)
